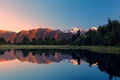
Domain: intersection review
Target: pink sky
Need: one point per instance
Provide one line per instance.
(17, 15)
(13, 22)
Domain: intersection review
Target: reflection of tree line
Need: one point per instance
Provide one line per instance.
(41, 51)
(106, 62)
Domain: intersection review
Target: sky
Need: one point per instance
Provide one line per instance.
(17, 15)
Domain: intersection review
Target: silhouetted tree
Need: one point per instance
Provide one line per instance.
(25, 41)
(2, 41)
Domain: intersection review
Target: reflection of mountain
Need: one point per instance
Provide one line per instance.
(108, 63)
(42, 58)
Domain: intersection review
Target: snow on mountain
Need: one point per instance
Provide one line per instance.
(93, 28)
(74, 30)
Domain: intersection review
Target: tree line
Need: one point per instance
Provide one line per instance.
(105, 35)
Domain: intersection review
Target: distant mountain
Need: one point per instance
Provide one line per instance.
(75, 30)
(93, 28)
(40, 33)
(7, 35)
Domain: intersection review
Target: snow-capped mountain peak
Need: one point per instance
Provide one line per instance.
(93, 28)
(74, 30)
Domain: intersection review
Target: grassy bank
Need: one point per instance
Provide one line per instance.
(101, 49)
(38, 47)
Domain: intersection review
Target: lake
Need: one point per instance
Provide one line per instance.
(58, 65)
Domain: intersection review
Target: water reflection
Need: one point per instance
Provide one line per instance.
(108, 63)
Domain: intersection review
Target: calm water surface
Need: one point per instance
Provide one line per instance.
(58, 65)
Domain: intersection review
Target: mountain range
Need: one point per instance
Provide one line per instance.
(40, 33)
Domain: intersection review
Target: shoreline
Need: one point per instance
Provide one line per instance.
(100, 49)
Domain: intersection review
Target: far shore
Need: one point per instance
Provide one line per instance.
(100, 49)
